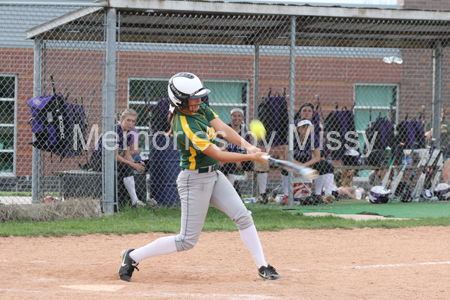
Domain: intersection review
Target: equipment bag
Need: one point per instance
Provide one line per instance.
(159, 117)
(384, 131)
(410, 132)
(332, 124)
(419, 137)
(273, 114)
(53, 122)
(343, 122)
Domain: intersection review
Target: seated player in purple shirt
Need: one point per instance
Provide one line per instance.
(238, 125)
(307, 152)
(135, 150)
(125, 163)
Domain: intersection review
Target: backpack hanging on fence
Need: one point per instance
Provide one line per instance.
(159, 116)
(410, 132)
(332, 124)
(53, 121)
(382, 130)
(273, 114)
(348, 129)
(343, 123)
(419, 138)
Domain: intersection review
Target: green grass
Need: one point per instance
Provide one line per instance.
(22, 194)
(168, 221)
(26, 194)
(395, 209)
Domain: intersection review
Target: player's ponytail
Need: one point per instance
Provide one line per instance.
(171, 117)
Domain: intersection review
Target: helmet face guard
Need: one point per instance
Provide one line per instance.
(184, 86)
(378, 194)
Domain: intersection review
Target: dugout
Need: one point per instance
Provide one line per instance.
(98, 45)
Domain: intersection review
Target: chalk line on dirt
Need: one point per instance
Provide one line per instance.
(398, 265)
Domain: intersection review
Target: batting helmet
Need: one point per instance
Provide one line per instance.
(442, 191)
(184, 86)
(351, 158)
(378, 194)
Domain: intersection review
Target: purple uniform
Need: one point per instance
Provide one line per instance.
(121, 142)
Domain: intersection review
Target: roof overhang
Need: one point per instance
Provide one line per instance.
(62, 20)
(150, 21)
(220, 7)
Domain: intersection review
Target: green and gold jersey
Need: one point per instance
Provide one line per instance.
(194, 134)
(445, 132)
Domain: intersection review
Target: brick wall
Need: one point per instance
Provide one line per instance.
(427, 4)
(332, 78)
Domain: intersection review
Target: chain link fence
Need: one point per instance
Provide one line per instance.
(368, 86)
(22, 117)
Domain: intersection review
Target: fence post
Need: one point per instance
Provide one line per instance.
(255, 188)
(437, 67)
(291, 107)
(37, 91)
(109, 104)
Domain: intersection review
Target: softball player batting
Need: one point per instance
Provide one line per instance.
(200, 183)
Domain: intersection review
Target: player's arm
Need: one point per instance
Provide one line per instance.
(222, 144)
(428, 131)
(127, 154)
(315, 158)
(126, 158)
(232, 136)
(230, 157)
(429, 134)
(135, 149)
(134, 142)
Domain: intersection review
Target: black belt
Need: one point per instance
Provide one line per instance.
(205, 169)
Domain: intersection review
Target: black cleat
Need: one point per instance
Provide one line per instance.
(268, 273)
(265, 198)
(128, 265)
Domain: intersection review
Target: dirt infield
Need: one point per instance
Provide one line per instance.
(410, 263)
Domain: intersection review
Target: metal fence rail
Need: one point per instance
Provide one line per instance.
(356, 73)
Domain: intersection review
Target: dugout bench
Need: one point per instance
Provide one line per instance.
(363, 182)
(88, 184)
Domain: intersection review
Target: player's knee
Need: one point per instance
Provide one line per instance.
(186, 244)
(244, 221)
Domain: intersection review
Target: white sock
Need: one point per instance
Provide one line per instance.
(129, 184)
(262, 182)
(285, 184)
(231, 178)
(251, 240)
(318, 184)
(161, 246)
(146, 191)
(328, 182)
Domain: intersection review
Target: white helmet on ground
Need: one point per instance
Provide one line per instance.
(378, 194)
(184, 86)
(442, 191)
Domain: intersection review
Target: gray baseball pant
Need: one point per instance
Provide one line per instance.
(197, 191)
